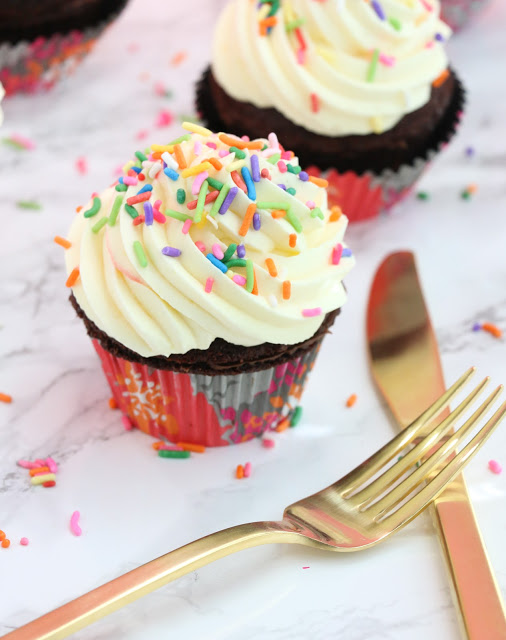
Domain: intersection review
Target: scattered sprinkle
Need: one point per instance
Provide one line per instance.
(441, 79)
(82, 165)
(492, 329)
(422, 195)
(43, 478)
(29, 204)
(296, 417)
(190, 446)
(170, 453)
(72, 279)
(5, 397)
(24, 542)
(470, 151)
(239, 472)
(268, 443)
(6, 543)
(74, 523)
(351, 400)
(178, 58)
(247, 470)
(283, 425)
(476, 326)
(494, 466)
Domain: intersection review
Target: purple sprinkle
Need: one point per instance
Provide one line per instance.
(379, 9)
(241, 251)
(303, 176)
(439, 37)
(470, 152)
(148, 213)
(346, 253)
(476, 326)
(255, 168)
(172, 252)
(282, 186)
(228, 200)
(256, 221)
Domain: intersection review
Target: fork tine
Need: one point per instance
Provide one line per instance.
(372, 465)
(412, 508)
(378, 486)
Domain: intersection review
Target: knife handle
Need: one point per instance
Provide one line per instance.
(477, 592)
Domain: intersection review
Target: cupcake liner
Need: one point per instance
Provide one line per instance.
(31, 66)
(457, 13)
(208, 410)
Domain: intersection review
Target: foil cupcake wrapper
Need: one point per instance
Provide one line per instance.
(208, 410)
(457, 13)
(37, 65)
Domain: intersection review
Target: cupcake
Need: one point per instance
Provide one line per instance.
(41, 40)
(207, 277)
(457, 13)
(361, 90)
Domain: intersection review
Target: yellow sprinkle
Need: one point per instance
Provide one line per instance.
(288, 11)
(238, 164)
(47, 477)
(162, 147)
(198, 168)
(128, 166)
(230, 274)
(203, 220)
(196, 128)
(327, 54)
(263, 11)
(376, 124)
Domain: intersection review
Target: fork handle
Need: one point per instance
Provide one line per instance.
(119, 592)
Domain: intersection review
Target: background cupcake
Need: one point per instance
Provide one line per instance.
(457, 13)
(207, 277)
(40, 40)
(361, 89)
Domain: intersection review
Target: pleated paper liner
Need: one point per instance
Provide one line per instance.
(208, 410)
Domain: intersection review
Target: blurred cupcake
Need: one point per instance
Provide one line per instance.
(41, 40)
(457, 13)
(360, 90)
(207, 277)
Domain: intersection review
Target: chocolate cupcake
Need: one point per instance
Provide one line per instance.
(362, 91)
(207, 277)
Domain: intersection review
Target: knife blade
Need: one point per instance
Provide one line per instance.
(405, 364)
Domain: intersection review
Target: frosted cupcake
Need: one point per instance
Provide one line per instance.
(207, 277)
(362, 90)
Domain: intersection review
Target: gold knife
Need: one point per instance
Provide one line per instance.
(406, 367)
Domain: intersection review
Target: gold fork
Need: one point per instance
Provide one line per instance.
(358, 511)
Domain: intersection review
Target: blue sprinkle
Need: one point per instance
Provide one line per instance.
(379, 9)
(172, 252)
(438, 37)
(282, 186)
(252, 194)
(148, 213)
(476, 326)
(222, 267)
(146, 187)
(241, 251)
(346, 253)
(120, 180)
(303, 176)
(256, 221)
(136, 169)
(228, 200)
(170, 173)
(255, 168)
(470, 152)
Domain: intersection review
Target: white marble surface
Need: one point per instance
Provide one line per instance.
(136, 506)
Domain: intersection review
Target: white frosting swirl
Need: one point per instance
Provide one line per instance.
(340, 38)
(162, 307)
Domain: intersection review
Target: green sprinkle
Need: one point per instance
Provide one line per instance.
(396, 24)
(165, 453)
(181, 196)
(238, 153)
(297, 415)
(422, 195)
(184, 138)
(264, 147)
(215, 184)
(14, 144)
(371, 72)
(94, 209)
(465, 195)
(28, 204)
(219, 200)
(140, 156)
(98, 225)
(293, 220)
(236, 262)
(317, 213)
(291, 191)
(273, 205)
(293, 168)
(115, 210)
(250, 276)
(177, 215)
(132, 211)
(229, 252)
(274, 8)
(139, 252)
(200, 202)
(274, 158)
(294, 24)
(121, 187)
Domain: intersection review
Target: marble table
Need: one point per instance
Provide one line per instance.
(135, 506)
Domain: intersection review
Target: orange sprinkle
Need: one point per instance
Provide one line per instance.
(216, 163)
(472, 188)
(157, 155)
(6, 543)
(63, 242)
(239, 472)
(78, 209)
(248, 217)
(254, 291)
(283, 425)
(112, 403)
(292, 240)
(271, 267)
(319, 182)
(177, 58)
(335, 213)
(278, 213)
(2, 535)
(240, 144)
(5, 397)
(34, 472)
(180, 159)
(492, 329)
(287, 290)
(266, 23)
(441, 79)
(71, 280)
(351, 400)
(239, 181)
(189, 446)
(156, 445)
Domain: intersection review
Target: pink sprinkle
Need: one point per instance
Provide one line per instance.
(217, 251)
(223, 152)
(265, 174)
(187, 225)
(241, 280)
(282, 166)
(40, 462)
(82, 165)
(273, 140)
(267, 153)
(306, 567)
(286, 155)
(164, 118)
(53, 467)
(24, 541)
(429, 44)
(311, 313)
(211, 145)
(159, 216)
(197, 147)
(388, 61)
(130, 181)
(301, 56)
(127, 423)
(209, 285)
(24, 142)
(200, 246)
(245, 138)
(494, 466)
(74, 524)
(167, 447)
(315, 103)
(310, 204)
(26, 464)
(247, 469)
(160, 89)
(337, 252)
(197, 183)
(140, 135)
(268, 443)
(426, 5)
